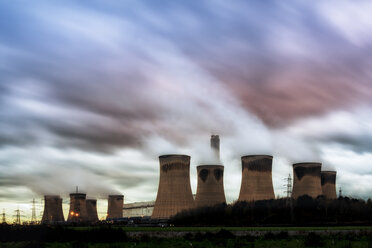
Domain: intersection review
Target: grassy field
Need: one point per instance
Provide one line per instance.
(215, 229)
(336, 242)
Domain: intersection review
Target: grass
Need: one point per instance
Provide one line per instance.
(216, 229)
(315, 241)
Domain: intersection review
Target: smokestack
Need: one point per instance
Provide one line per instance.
(306, 180)
(257, 181)
(52, 209)
(174, 192)
(210, 189)
(92, 210)
(115, 207)
(328, 180)
(78, 208)
(215, 145)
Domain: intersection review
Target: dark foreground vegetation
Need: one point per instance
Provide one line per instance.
(304, 211)
(96, 237)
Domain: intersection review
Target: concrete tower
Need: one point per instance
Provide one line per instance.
(257, 181)
(328, 180)
(115, 207)
(210, 189)
(174, 192)
(52, 209)
(215, 145)
(78, 208)
(306, 180)
(92, 210)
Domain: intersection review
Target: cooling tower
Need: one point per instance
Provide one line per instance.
(174, 192)
(328, 180)
(306, 180)
(257, 181)
(78, 208)
(215, 145)
(115, 207)
(210, 189)
(92, 210)
(52, 209)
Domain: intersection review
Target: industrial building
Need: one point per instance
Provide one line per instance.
(138, 209)
(174, 191)
(306, 180)
(115, 207)
(52, 209)
(92, 210)
(328, 181)
(257, 181)
(78, 208)
(210, 190)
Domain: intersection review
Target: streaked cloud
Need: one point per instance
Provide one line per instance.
(91, 93)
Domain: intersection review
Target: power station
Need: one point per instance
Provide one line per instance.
(78, 208)
(115, 207)
(210, 190)
(175, 195)
(306, 180)
(257, 181)
(92, 215)
(328, 180)
(174, 191)
(52, 209)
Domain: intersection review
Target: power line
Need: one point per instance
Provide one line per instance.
(33, 217)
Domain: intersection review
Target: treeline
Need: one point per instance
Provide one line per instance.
(304, 211)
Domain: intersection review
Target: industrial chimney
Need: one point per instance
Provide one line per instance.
(92, 210)
(328, 180)
(306, 180)
(78, 208)
(115, 207)
(174, 192)
(210, 189)
(257, 181)
(52, 209)
(215, 145)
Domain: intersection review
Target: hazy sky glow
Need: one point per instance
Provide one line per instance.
(91, 93)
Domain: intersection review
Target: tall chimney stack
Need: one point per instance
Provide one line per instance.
(215, 145)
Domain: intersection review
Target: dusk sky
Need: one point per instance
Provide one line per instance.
(92, 92)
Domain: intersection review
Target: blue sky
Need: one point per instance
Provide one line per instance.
(91, 93)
